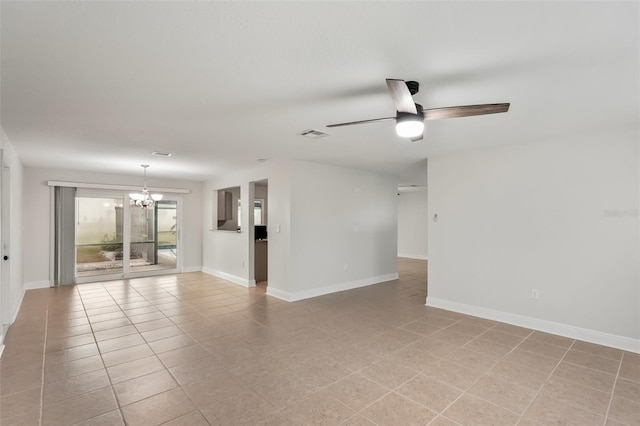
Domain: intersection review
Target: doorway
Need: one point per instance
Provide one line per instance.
(259, 214)
(114, 239)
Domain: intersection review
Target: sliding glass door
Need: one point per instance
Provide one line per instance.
(117, 240)
(99, 243)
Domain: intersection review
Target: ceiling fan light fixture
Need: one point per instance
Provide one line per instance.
(409, 125)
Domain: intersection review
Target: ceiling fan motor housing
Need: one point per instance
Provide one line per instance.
(413, 87)
(419, 110)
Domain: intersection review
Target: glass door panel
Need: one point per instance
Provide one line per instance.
(99, 244)
(142, 238)
(168, 234)
(153, 237)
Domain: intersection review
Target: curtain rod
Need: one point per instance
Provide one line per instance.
(116, 187)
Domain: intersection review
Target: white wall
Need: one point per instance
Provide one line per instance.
(343, 228)
(412, 223)
(539, 216)
(225, 253)
(330, 228)
(37, 214)
(14, 289)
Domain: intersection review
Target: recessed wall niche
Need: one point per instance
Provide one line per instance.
(227, 209)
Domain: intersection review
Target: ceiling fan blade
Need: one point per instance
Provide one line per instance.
(464, 111)
(361, 122)
(417, 138)
(401, 96)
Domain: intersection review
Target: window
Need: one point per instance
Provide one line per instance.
(257, 212)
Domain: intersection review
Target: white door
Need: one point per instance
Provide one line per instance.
(5, 239)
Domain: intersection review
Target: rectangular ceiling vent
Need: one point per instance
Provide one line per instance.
(313, 134)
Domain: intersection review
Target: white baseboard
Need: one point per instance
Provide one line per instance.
(334, 288)
(573, 332)
(188, 269)
(413, 256)
(280, 294)
(34, 285)
(225, 276)
(252, 283)
(1, 349)
(16, 307)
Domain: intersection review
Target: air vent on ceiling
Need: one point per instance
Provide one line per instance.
(313, 134)
(161, 154)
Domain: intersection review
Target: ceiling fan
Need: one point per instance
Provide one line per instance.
(410, 116)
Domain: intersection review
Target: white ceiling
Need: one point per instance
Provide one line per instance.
(100, 85)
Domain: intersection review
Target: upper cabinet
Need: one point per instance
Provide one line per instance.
(225, 206)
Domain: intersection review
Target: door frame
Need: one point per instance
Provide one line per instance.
(179, 248)
(5, 243)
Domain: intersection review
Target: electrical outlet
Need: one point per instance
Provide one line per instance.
(535, 294)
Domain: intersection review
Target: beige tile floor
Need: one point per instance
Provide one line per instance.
(192, 349)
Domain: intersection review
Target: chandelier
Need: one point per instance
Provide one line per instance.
(144, 199)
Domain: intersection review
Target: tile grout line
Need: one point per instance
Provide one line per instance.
(198, 343)
(413, 377)
(438, 414)
(101, 358)
(545, 382)
(391, 390)
(113, 391)
(146, 343)
(615, 382)
(441, 413)
(465, 391)
(155, 354)
(568, 349)
(44, 354)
